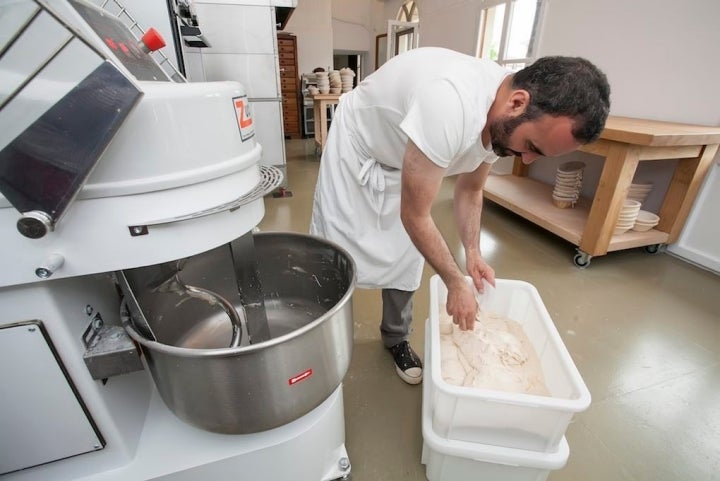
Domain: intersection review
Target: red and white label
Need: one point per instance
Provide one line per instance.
(300, 377)
(244, 117)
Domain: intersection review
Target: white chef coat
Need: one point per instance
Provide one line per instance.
(439, 99)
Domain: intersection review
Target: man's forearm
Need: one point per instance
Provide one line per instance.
(468, 209)
(428, 240)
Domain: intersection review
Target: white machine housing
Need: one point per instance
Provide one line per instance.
(180, 177)
(242, 37)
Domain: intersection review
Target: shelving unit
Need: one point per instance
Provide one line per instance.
(289, 84)
(624, 143)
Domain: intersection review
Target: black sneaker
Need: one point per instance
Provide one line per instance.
(407, 363)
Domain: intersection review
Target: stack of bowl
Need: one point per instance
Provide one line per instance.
(568, 181)
(645, 221)
(627, 217)
(346, 76)
(335, 82)
(323, 82)
(639, 191)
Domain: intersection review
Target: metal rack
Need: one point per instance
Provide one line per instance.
(116, 8)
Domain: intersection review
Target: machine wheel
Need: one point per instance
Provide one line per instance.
(652, 249)
(582, 259)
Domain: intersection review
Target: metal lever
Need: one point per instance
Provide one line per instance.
(250, 287)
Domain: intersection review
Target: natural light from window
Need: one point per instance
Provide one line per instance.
(509, 31)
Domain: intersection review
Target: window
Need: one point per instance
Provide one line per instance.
(405, 29)
(509, 32)
(408, 12)
(401, 36)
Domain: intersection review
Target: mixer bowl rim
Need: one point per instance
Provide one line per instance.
(243, 350)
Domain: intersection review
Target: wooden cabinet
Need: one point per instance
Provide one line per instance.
(289, 84)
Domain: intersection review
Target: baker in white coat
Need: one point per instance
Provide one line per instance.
(424, 115)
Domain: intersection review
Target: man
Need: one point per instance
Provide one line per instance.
(425, 115)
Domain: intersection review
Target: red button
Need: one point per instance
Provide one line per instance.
(153, 40)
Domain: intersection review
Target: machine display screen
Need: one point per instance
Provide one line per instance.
(122, 42)
(45, 166)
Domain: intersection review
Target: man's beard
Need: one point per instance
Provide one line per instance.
(500, 132)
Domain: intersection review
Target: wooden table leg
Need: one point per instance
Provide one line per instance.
(323, 123)
(682, 192)
(316, 117)
(519, 168)
(620, 165)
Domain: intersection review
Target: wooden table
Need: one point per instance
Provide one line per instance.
(624, 143)
(320, 106)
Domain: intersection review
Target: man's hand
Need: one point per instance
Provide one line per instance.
(461, 301)
(478, 269)
(461, 304)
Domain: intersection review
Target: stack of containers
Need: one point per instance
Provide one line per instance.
(568, 182)
(323, 82)
(472, 433)
(627, 216)
(335, 82)
(639, 192)
(346, 76)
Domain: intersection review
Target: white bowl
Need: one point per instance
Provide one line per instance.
(572, 166)
(566, 191)
(642, 227)
(645, 217)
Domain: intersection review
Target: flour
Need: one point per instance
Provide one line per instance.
(497, 354)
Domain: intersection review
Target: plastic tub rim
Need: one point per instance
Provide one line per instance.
(577, 404)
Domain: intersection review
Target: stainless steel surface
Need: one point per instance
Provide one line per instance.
(308, 285)
(174, 285)
(250, 288)
(130, 309)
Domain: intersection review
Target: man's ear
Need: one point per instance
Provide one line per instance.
(517, 102)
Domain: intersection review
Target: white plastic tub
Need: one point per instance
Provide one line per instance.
(506, 419)
(450, 460)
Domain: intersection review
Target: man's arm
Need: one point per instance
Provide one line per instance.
(468, 201)
(421, 179)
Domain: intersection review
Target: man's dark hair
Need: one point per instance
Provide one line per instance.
(567, 87)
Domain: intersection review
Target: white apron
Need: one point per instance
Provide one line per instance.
(357, 199)
(357, 206)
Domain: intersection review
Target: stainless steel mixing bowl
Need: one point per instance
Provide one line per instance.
(308, 285)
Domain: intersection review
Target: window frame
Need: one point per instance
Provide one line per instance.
(408, 15)
(502, 48)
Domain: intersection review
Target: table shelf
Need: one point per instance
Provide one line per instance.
(532, 200)
(624, 143)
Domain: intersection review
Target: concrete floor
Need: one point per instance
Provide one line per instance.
(643, 330)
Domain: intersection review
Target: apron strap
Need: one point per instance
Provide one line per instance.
(371, 174)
